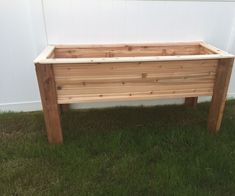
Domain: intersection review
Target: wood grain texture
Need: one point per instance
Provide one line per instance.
(51, 110)
(107, 53)
(120, 81)
(219, 94)
(127, 51)
(48, 52)
(94, 60)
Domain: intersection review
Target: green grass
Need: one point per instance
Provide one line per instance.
(164, 150)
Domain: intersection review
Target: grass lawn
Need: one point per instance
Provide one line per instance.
(164, 150)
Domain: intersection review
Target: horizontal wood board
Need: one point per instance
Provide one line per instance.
(104, 53)
(129, 51)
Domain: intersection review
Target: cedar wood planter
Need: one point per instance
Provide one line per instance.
(91, 73)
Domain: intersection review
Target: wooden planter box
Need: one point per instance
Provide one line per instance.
(91, 73)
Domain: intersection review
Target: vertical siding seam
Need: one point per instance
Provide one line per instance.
(44, 20)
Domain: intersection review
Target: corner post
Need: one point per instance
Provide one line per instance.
(47, 87)
(191, 102)
(64, 107)
(222, 78)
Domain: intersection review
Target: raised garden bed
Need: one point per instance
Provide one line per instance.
(91, 73)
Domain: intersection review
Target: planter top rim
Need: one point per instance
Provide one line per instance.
(44, 57)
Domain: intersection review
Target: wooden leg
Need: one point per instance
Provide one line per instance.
(223, 74)
(64, 107)
(51, 110)
(191, 102)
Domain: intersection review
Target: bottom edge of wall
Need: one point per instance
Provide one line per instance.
(36, 105)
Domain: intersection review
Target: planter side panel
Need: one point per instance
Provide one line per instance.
(134, 81)
(129, 51)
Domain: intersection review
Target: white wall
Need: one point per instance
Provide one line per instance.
(18, 86)
(25, 30)
(231, 49)
(112, 21)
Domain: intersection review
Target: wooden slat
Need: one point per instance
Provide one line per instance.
(204, 50)
(166, 78)
(111, 67)
(126, 51)
(135, 96)
(141, 82)
(101, 89)
(134, 70)
(212, 49)
(219, 94)
(47, 52)
(130, 75)
(184, 43)
(147, 52)
(134, 59)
